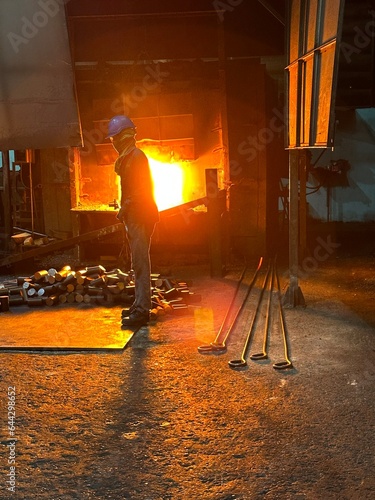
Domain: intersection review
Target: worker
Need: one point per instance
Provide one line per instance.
(139, 213)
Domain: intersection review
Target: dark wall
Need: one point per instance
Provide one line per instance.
(138, 27)
(257, 156)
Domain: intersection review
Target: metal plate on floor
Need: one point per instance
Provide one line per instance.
(63, 328)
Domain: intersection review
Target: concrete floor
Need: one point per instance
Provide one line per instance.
(160, 421)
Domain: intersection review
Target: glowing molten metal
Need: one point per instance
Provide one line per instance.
(168, 183)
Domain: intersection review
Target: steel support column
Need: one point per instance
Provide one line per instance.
(223, 102)
(214, 222)
(302, 209)
(7, 202)
(293, 296)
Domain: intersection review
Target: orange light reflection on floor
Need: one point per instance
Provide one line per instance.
(168, 183)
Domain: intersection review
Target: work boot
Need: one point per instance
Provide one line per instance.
(135, 319)
(125, 313)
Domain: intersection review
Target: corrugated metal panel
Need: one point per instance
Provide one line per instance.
(38, 108)
(314, 34)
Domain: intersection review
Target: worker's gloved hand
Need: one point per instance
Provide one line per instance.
(121, 214)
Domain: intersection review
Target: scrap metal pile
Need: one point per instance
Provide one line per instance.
(94, 285)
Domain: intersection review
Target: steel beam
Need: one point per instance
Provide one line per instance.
(293, 296)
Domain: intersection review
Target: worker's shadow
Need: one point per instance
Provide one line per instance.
(141, 338)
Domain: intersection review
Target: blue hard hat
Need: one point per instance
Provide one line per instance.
(117, 124)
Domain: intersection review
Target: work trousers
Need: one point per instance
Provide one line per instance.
(139, 238)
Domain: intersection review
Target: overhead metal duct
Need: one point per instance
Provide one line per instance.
(38, 108)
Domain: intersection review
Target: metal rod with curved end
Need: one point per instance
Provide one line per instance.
(268, 323)
(241, 362)
(220, 347)
(282, 365)
(204, 349)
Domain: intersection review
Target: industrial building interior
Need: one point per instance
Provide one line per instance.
(218, 103)
(213, 117)
(257, 118)
(192, 113)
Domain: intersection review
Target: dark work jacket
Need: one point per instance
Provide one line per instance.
(137, 197)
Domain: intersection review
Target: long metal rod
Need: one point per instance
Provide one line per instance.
(273, 11)
(219, 346)
(281, 365)
(268, 323)
(241, 362)
(16, 228)
(203, 349)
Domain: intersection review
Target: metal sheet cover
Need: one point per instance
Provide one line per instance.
(38, 107)
(62, 328)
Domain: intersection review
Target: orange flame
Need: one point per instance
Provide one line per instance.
(168, 181)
